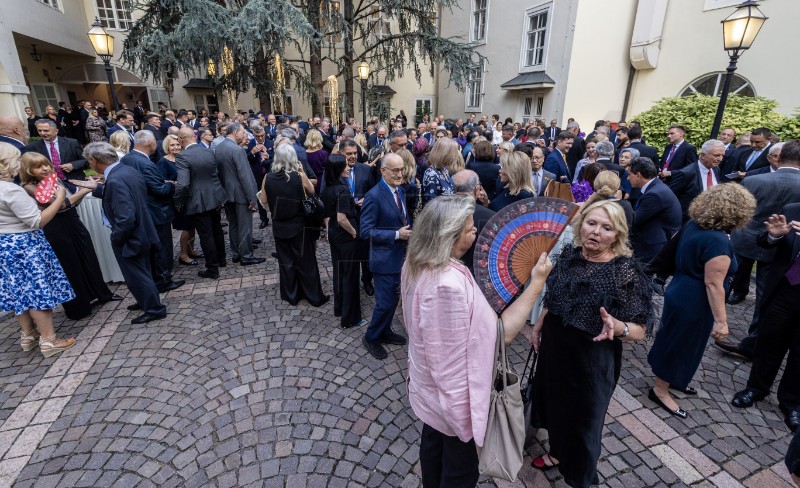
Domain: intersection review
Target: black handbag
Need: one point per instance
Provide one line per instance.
(313, 208)
(527, 398)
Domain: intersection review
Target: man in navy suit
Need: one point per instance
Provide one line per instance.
(259, 151)
(361, 181)
(678, 154)
(645, 151)
(133, 234)
(698, 177)
(657, 215)
(756, 157)
(556, 162)
(125, 123)
(384, 223)
(13, 131)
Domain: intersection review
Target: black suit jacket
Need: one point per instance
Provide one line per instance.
(125, 206)
(548, 136)
(687, 183)
(480, 216)
(69, 151)
(656, 218)
(788, 248)
(760, 162)
(488, 173)
(159, 192)
(685, 155)
(575, 154)
(645, 151)
(165, 125)
(16, 143)
(730, 162)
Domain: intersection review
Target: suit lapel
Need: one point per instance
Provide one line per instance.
(390, 197)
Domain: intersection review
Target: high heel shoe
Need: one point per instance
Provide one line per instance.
(680, 413)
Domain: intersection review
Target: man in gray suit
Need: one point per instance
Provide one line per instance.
(772, 191)
(240, 186)
(200, 195)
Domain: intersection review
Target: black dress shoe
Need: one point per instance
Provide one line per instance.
(746, 398)
(257, 241)
(393, 338)
(686, 391)
(171, 286)
(263, 225)
(205, 273)
(376, 350)
(112, 298)
(135, 306)
(793, 420)
(147, 317)
(249, 261)
(735, 298)
(680, 413)
(369, 289)
(734, 349)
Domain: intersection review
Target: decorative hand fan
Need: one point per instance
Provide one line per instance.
(511, 243)
(46, 189)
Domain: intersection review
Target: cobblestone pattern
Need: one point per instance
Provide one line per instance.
(237, 388)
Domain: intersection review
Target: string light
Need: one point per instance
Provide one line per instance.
(333, 96)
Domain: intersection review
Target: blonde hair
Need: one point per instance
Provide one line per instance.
(409, 165)
(166, 141)
(314, 140)
(723, 207)
(29, 162)
(120, 141)
(606, 184)
(445, 153)
(517, 167)
(616, 215)
(361, 140)
(507, 145)
(9, 161)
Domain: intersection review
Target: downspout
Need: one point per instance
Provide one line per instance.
(645, 42)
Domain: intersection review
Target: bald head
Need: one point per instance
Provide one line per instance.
(13, 127)
(466, 181)
(186, 136)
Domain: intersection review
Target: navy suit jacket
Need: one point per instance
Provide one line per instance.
(547, 136)
(556, 164)
(787, 249)
(656, 218)
(117, 128)
(380, 221)
(645, 151)
(125, 206)
(760, 162)
(687, 183)
(159, 192)
(363, 180)
(16, 143)
(685, 155)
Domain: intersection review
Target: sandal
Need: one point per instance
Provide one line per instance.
(29, 342)
(50, 346)
(541, 462)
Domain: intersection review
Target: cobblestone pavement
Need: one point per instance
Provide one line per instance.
(236, 388)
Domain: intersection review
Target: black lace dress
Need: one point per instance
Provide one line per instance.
(575, 376)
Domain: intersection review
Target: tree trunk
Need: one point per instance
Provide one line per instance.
(349, 54)
(315, 60)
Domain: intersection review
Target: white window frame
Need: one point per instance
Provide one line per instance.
(54, 4)
(379, 27)
(423, 100)
(117, 22)
(470, 90)
(473, 27)
(546, 8)
(276, 101)
(536, 106)
(154, 94)
(39, 104)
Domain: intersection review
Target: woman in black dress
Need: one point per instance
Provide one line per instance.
(340, 212)
(70, 240)
(286, 186)
(166, 166)
(597, 296)
(515, 175)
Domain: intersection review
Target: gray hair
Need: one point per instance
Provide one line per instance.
(710, 144)
(289, 133)
(633, 152)
(776, 148)
(465, 181)
(100, 152)
(143, 138)
(573, 125)
(436, 230)
(349, 133)
(255, 127)
(232, 127)
(285, 160)
(46, 121)
(605, 149)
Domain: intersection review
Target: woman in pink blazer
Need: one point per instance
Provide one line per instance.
(452, 333)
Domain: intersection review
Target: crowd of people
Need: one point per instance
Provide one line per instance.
(400, 209)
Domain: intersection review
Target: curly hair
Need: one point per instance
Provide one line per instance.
(616, 215)
(723, 207)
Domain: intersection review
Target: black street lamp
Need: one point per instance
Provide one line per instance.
(103, 44)
(739, 31)
(363, 74)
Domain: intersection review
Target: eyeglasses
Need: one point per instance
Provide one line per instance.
(394, 171)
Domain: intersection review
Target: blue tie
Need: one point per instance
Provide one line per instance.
(753, 156)
(352, 184)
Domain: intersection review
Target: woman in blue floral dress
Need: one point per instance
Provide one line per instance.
(436, 180)
(33, 282)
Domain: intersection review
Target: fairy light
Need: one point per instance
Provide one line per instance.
(333, 96)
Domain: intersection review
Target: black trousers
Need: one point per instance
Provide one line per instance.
(779, 333)
(362, 254)
(741, 284)
(212, 239)
(161, 257)
(139, 279)
(346, 295)
(299, 273)
(447, 462)
(240, 229)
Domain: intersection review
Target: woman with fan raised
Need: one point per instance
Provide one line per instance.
(452, 337)
(597, 296)
(515, 175)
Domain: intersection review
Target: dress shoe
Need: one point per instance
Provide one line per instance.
(734, 350)
(112, 298)
(135, 306)
(686, 391)
(392, 337)
(257, 241)
(735, 298)
(369, 289)
(792, 420)
(249, 261)
(746, 398)
(171, 286)
(274, 255)
(236, 260)
(680, 413)
(263, 225)
(376, 350)
(205, 273)
(147, 317)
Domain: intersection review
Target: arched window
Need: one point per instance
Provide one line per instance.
(711, 84)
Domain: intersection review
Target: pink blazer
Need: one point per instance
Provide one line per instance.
(452, 332)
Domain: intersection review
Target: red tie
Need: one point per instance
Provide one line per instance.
(669, 158)
(709, 180)
(56, 160)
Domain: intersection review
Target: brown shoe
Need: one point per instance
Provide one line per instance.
(50, 346)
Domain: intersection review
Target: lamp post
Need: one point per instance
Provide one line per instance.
(103, 44)
(739, 30)
(363, 74)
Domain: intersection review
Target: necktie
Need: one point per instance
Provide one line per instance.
(536, 183)
(709, 180)
(793, 275)
(669, 157)
(352, 184)
(56, 160)
(400, 206)
(753, 156)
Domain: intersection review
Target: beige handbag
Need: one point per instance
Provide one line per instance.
(501, 454)
(556, 189)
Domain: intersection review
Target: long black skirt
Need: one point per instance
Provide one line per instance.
(73, 247)
(575, 378)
